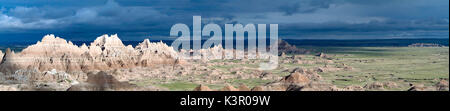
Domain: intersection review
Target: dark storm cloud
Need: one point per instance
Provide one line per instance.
(137, 19)
(305, 6)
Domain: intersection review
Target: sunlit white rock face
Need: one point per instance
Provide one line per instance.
(1, 56)
(106, 52)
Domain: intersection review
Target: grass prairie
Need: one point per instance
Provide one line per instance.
(398, 65)
(402, 65)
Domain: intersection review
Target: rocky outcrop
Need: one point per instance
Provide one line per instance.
(56, 64)
(442, 85)
(375, 86)
(202, 88)
(258, 88)
(44, 81)
(229, 88)
(218, 52)
(323, 55)
(225, 88)
(309, 73)
(302, 79)
(420, 87)
(106, 52)
(296, 78)
(296, 81)
(1, 56)
(14, 87)
(285, 47)
(381, 85)
(313, 86)
(243, 87)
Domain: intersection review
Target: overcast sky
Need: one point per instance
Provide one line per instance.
(29, 20)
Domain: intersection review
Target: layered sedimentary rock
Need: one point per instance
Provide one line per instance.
(218, 52)
(442, 85)
(1, 56)
(202, 88)
(106, 52)
(229, 88)
(301, 80)
(14, 87)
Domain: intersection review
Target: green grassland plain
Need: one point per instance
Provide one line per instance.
(401, 65)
